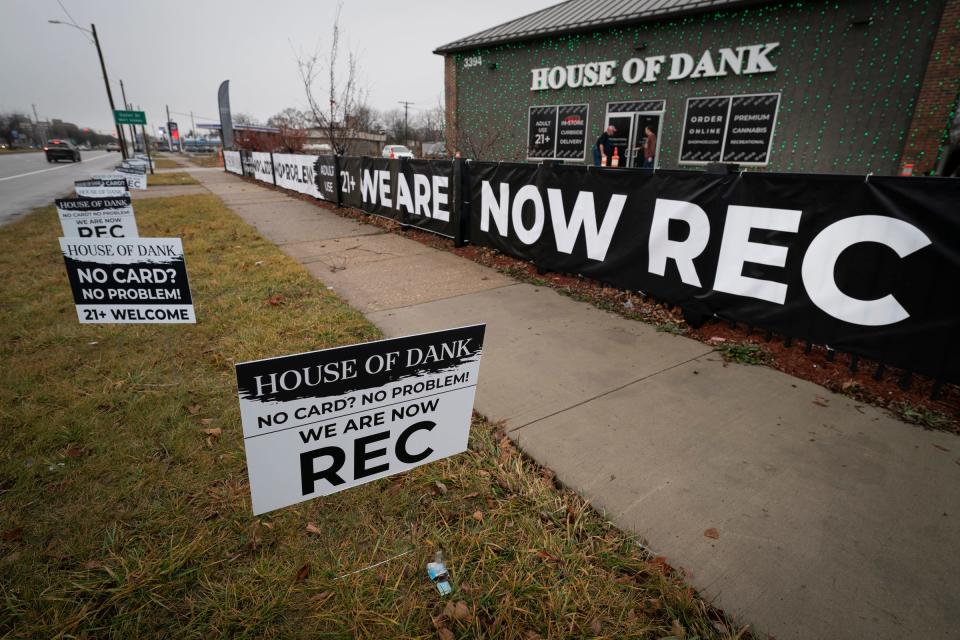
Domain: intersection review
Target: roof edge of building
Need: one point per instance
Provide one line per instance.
(466, 44)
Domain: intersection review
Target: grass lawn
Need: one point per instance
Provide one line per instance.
(206, 161)
(125, 508)
(167, 163)
(167, 179)
(5, 151)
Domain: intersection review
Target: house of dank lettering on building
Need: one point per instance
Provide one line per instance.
(866, 86)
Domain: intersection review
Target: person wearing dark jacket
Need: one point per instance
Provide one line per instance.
(604, 146)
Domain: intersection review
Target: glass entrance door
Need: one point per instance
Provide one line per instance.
(641, 122)
(622, 139)
(631, 120)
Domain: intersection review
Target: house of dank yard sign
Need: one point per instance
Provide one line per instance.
(320, 422)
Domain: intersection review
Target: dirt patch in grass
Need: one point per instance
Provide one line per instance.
(125, 508)
(858, 378)
(168, 179)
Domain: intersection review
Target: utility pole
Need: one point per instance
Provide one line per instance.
(406, 109)
(169, 133)
(193, 128)
(38, 133)
(133, 132)
(146, 142)
(106, 81)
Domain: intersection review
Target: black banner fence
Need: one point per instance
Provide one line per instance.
(867, 266)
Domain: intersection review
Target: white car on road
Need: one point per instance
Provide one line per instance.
(396, 151)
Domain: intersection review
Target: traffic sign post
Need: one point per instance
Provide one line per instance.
(129, 117)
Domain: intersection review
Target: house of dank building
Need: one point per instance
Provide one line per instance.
(864, 86)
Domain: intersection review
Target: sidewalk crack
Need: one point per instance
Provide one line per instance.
(608, 392)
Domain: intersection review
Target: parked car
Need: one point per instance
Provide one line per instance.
(58, 150)
(396, 151)
(113, 146)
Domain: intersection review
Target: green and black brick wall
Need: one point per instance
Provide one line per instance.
(849, 86)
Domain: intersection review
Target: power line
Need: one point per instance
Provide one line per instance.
(72, 21)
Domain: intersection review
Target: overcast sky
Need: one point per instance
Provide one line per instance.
(177, 52)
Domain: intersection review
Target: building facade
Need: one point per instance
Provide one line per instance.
(814, 86)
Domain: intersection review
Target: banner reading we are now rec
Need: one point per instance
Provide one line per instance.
(320, 422)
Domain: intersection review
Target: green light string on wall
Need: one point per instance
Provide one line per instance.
(847, 91)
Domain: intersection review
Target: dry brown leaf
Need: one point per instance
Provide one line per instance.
(76, 451)
(314, 529)
(712, 533)
(849, 384)
(478, 516)
(595, 627)
(461, 611)
(321, 597)
(394, 487)
(206, 420)
(677, 629)
(440, 488)
(445, 634)
(93, 564)
(546, 555)
(213, 432)
(821, 402)
(194, 409)
(12, 535)
(303, 573)
(276, 300)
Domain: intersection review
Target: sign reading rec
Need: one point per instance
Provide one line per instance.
(97, 217)
(320, 422)
(557, 132)
(729, 129)
(128, 280)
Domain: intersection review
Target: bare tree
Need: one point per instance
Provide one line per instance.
(291, 118)
(342, 97)
(431, 123)
(477, 142)
(393, 125)
(245, 118)
(364, 118)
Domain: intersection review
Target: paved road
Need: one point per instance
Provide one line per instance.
(28, 181)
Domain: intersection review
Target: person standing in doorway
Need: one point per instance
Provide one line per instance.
(649, 147)
(604, 146)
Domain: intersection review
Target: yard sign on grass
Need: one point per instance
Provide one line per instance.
(320, 422)
(128, 280)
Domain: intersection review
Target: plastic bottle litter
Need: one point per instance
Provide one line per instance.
(437, 571)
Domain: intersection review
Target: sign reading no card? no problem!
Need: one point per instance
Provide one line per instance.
(130, 280)
(320, 422)
(97, 217)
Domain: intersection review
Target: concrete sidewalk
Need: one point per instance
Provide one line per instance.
(834, 521)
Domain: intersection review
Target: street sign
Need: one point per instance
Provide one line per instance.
(129, 117)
